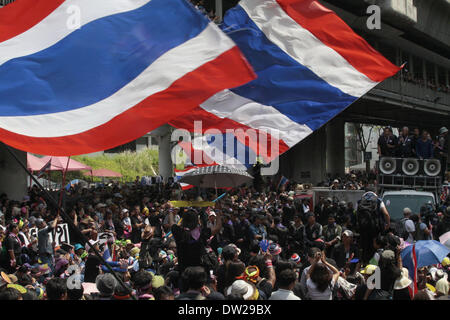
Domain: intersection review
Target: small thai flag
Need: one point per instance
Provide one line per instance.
(283, 181)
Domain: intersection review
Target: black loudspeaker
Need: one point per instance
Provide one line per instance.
(388, 165)
(410, 166)
(431, 167)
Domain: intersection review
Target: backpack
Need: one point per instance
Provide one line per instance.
(400, 229)
(367, 215)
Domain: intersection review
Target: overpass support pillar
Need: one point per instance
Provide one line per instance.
(13, 179)
(306, 162)
(335, 147)
(165, 160)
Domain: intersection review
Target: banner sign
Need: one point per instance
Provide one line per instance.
(62, 234)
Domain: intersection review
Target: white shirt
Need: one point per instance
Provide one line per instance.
(315, 294)
(410, 228)
(283, 294)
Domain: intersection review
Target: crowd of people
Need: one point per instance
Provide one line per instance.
(252, 245)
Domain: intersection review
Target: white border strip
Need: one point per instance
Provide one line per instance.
(301, 45)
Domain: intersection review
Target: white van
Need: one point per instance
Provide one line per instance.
(396, 201)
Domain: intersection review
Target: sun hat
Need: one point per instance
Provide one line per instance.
(5, 278)
(442, 286)
(443, 130)
(437, 274)
(18, 287)
(403, 281)
(369, 269)
(242, 288)
(13, 278)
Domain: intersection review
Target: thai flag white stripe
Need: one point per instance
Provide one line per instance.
(302, 46)
(55, 27)
(157, 77)
(227, 104)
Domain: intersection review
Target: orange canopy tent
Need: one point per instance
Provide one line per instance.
(103, 173)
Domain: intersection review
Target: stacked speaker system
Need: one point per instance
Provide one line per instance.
(409, 172)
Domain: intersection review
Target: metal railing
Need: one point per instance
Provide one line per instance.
(415, 90)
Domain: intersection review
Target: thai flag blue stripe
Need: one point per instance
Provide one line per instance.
(122, 40)
(282, 82)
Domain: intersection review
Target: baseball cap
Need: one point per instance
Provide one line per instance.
(78, 246)
(369, 269)
(443, 130)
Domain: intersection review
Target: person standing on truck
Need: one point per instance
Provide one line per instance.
(405, 144)
(387, 143)
(372, 219)
(424, 146)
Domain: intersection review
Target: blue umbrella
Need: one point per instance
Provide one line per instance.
(428, 252)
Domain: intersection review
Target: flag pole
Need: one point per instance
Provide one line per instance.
(67, 219)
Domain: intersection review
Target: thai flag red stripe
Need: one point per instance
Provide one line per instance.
(23, 15)
(415, 290)
(319, 20)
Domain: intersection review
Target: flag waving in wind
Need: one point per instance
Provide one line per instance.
(310, 67)
(79, 76)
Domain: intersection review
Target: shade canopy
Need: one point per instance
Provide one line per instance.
(34, 163)
(60, 164)
(103, 173)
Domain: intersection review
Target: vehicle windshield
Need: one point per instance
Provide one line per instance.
(396, 203)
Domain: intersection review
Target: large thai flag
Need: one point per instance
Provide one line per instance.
(131, 66)
(310, 67)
